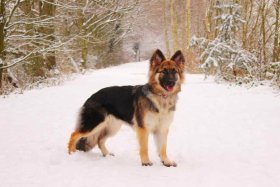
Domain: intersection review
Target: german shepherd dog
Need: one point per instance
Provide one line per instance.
(147, 108)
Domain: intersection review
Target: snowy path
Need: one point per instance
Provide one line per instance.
(221, 137)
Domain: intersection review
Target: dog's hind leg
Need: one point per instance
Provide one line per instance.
(101, 143)
(87, 144)
(77, 138)
(92, 121)
(113, 126)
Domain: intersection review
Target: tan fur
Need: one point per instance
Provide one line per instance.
(101, 142)
(99, 135)
(154, 75)
(153, 113)
(142, 135)
(158, 123)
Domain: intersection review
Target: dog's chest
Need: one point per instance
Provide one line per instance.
(163, 117)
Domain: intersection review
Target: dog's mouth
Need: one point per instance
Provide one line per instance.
(168, 85)
(169, 88)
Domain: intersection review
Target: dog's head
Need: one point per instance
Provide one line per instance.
(166, 76)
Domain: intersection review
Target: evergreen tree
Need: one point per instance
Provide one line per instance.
(224, 54)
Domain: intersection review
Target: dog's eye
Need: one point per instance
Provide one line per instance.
(173, 71)
(165, 71)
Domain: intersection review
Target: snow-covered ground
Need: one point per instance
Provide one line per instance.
(222, 136)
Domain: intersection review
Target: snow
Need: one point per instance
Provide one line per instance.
(222, 136)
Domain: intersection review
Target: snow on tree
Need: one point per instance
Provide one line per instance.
(224, 54)
(96, 24)
(272, 72)
(36, 37)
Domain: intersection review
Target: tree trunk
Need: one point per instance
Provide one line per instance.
(209, 21)
(247, 16)
(166, 38)
(263, 16)
(276, 34)
(82, 40)
(174, 25)
(2, 35)
(84, 48)
(47, 10)
(188, 24)
(218, 21)
(35, 65)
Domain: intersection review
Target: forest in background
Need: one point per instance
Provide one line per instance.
(41, 40)
(235, 40)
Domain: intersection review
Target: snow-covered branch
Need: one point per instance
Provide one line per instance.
(224, 53)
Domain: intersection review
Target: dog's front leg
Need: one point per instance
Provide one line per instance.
(143, 135)
(160, 138)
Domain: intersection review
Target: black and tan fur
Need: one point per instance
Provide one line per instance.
(147, 108)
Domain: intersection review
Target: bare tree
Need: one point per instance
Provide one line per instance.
(47, 11)
(2, 32)
(166, 38)
(34, 33)
(188, 24)
(98, 24)
(276, 49)
(174, 25)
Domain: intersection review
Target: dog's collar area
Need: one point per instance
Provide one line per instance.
(147, 87)
(164, 95)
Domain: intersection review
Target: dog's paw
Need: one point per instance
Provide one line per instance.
(147, 163)
(169, 163)
(108, 154)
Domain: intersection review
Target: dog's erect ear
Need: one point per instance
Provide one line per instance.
(157, 58)
(178, 57)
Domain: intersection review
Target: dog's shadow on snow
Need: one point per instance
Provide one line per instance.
(90, 156)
